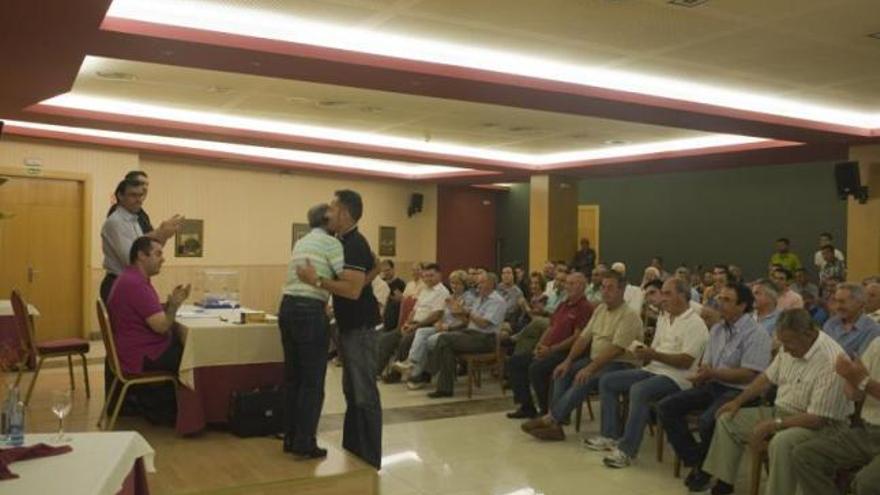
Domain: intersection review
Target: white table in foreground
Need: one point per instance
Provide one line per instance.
(6, 308)
(210, 341)
(98, 465)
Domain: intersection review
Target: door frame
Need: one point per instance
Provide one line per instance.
(86, 180)
(596, 207)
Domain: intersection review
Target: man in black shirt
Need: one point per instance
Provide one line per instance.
(357, 314)
(396, 286)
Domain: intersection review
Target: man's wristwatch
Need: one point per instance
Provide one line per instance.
(863, 385)
(778, 422)
(319, 283)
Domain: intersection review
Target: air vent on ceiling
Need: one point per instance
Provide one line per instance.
(522, 129)
(687, 3)
(116, 75)
(615, 142)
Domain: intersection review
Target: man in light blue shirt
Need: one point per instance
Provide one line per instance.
(484, 319)
(850, 326)
(766, 301)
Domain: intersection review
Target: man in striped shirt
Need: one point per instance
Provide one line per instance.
(809, 404)
(305, 337)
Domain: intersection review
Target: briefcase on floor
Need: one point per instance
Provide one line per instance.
(254, 413)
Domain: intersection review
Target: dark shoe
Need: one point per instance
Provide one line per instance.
(722, 488)
(552, 433)
(392, 377)
(523, 414)
(533, 424)
(699, 481)
(316, 453)
(439, 395)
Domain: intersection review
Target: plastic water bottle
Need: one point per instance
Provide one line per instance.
(6, 413)
(16, 426)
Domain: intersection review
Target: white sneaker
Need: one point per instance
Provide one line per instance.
(402, 366)
(416, 385)
(600, 443)
(617, 459)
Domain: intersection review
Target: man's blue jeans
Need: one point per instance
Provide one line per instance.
(567, 396)
(644, 388)
(362, 430)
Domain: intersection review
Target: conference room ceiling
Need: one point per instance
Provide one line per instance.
(722, 76)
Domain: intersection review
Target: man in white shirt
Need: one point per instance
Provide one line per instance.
(632, 295)
(825, 239)
(673, 355)
(872, 300)
(427, 311)
(809, 404)
(817, 462)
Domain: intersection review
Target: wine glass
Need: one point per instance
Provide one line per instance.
(61, 407)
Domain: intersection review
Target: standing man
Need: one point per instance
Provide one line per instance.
(825, 239)
(357, 314)
(831, 266)
(396, 287)
(305, 336)
(784, 257)
(585, 258)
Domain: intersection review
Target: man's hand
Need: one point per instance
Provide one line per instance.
(170, 226)
(761, 434)
(731, 407)
(307, 274)
(179, 295)
(644, 353)
(541, 351)
(704, 374)
(441, 327)
(583, 376)
(851, 371)
(562, 369)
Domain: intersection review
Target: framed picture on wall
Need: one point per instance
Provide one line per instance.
(299, 231)
(189, 241)
(387, 241)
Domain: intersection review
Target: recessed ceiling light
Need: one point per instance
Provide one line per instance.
(615, 142)
(342, 162)
(115, 75)
(687, 3)
(334, 104)
(266, 24)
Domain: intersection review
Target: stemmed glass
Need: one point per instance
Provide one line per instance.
(61, 407)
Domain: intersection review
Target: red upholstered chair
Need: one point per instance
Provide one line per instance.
(406, 307)
(48, 349)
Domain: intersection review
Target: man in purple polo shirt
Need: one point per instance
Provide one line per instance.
(143, 328)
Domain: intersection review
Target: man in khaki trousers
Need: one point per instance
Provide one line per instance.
(809, 404)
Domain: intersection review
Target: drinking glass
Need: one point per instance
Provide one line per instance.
(61, 407)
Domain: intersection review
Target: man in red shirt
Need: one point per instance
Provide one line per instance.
(536, 368)
(142, 327)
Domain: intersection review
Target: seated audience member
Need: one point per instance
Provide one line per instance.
(737, 351)
(809, 404)
(787, 299)
(484, 319)
(825, 239)
(817, 462)
(802, 283)
(632, 295)
(427, 311)
(850, 326)
(736, 274)
(651, 307)
(673, 356)
(601, 347)
(143, 329)
(522, 279)
(594, 288)
(549, 271)
(657, 263)
(815, 308)
(872, 298)
(650, 274)
(555, 289)
(832, 267)
(414, 286)
(720, 279)
(535, 368)
(530, 310)
(382, 292)
(766, 306)
(585, 258)
(396, 286)
(511, 293)
(454, 318)
(784, 257)
(682, 273)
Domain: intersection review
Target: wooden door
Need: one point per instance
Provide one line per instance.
(588, 226)
(41, 248)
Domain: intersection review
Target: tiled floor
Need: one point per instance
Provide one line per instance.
(472, 449)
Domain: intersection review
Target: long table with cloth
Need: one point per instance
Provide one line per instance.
(11, 350)
(107, 463)
(221, 357)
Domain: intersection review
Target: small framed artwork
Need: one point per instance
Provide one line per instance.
(299, 231)
(387, 241)
(189, 241)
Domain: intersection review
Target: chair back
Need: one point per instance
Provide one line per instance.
(109, 342)
(406, 307)
(23, 324)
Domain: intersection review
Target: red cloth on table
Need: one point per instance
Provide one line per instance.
(13, 454)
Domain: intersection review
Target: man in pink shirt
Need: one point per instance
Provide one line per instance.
(143, 328)
(788, 299)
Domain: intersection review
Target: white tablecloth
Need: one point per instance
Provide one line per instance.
(98, 465)
(210, 341)
(6, 308)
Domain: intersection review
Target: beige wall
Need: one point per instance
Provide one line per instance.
(553, 206)
(248, 213)
(863, 220)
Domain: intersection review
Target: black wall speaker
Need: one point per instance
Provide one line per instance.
(848, 181)
(415, 204)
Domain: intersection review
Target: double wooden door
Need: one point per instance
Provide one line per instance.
(41, 250)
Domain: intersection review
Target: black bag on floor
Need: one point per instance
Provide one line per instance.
(256, 413)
